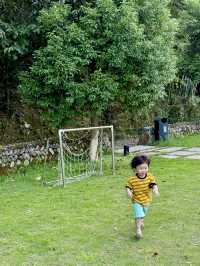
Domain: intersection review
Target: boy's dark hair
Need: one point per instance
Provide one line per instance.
(137, 160)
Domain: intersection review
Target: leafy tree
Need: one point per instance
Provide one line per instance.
(157, 61)
(190, 55)
(111, 54)
(176, 7)
(67, 76)
(14, 44)
(18, 38)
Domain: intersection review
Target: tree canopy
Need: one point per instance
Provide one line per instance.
(110, 54)
(190, 57)
(80, 58)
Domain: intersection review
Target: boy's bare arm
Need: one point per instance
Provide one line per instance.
(129, 193)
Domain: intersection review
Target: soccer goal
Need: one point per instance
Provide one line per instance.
(81, 152)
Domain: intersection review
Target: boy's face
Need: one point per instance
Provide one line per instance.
(142, 169)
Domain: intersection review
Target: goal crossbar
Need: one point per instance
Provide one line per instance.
(83, 128)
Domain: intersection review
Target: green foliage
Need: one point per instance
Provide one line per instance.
(157, 61)
(53, 18)
(176, 7)
(181, 102)
(18, 38)
(111, 54)
(17, 24)
(14, 40)
(14, 44)
(190, 54)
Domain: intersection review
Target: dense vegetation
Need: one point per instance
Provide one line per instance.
(84, 62)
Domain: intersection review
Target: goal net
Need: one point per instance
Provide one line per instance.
(81, 152)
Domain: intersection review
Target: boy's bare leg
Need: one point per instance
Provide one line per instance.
(142, 223)
(138, 228)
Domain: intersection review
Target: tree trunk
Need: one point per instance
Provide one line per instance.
(94, 145)
(94, 140)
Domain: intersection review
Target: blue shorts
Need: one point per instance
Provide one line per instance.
(139, 210)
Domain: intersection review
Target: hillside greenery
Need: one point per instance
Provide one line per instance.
(94, 62)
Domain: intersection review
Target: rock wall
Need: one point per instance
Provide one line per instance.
(184, 128)
(24, 153)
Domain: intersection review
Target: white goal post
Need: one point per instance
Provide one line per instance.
(77, 162)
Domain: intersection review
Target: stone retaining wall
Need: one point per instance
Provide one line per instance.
(184, 128)
(24, 153)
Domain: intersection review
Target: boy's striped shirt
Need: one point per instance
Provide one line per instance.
(141, 188)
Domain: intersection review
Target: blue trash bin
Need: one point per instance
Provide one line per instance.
(160, 128)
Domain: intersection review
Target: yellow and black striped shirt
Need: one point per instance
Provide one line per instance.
(141, 188)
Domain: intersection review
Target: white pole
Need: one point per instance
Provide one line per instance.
(62, 163)
(101, 152)
(113, 151)
(83, 128)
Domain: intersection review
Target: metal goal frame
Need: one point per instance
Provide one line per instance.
(101, 128)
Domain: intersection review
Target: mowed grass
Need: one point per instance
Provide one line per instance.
(182, 141)
(90, 222)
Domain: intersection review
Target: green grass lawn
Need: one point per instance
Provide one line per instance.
(90, 222)
(182, 141)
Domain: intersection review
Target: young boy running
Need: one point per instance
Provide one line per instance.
(139, 188)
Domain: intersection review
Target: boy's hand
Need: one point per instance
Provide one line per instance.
(155, 191)
(130, 193)
(157, 194)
